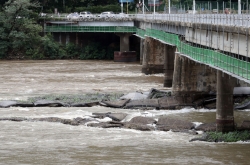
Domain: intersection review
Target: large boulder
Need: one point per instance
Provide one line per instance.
(134, 96)
(49, 103)
(245, 125)
(110, 124)
(166, 123)
(141, 123)
(206, 127)
(174, 102)
(18, 119)
(117, 116)
(137, 126)
(116, 103)
(143, 120)
(154, 94)
(6, 104)
(143, 104)
(100, 115)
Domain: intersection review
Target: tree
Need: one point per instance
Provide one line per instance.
(20, 34)
(19, 31)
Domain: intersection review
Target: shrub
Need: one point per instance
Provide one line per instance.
(92, 51)
(228, 137)
(51, 49)
(72, 51)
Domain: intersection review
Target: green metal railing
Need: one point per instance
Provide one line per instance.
(212, 58)
(64, 28)
(140, 32)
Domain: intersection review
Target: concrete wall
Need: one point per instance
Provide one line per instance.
(153, 56)
(224, 41)
(191, 78)
(169, 65)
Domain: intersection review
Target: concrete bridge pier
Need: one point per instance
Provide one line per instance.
(192, 80)
(153, 56)
(124, 55)
(169, 52)
(224, 102)
(124, 41)
(141, 50)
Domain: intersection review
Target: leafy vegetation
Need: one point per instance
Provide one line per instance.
(228, 137)
(20, 37)
(19, 32)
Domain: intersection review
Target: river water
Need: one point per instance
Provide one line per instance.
(28, 143)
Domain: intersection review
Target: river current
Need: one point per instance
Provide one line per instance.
(28, 143)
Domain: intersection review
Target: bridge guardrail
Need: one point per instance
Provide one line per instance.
(238, 20)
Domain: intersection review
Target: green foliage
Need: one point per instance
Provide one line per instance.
(72, 51)
(19, 33)
(3, 48)
(110, 51)
(51, 49)
(92, 51)
(228, 137)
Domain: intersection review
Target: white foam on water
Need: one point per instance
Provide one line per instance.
(106, 119)
(200, 132)
(28, 91)
(169, 112)
(197, 124)
(22, 109)
(205, 110)
(130, 116)
(86, 124)
(244, 110)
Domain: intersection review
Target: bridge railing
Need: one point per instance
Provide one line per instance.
(63, 28)
(217, 19)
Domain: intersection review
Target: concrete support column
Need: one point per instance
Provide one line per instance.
(124, 41)
(77, 41)
(141, 50)
(60, 38)
(191, 79)
(67, 38)
(169, 52)
(153, 56)
(224, 102)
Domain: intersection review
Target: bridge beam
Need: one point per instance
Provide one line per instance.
(192, 80)
(153, 56)
(169, 65)
(224, 102)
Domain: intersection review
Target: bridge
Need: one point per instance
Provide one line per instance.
(199, 54)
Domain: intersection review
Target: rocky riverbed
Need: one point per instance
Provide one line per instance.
(153, 99)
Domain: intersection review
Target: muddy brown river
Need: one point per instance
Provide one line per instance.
(29, 143)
